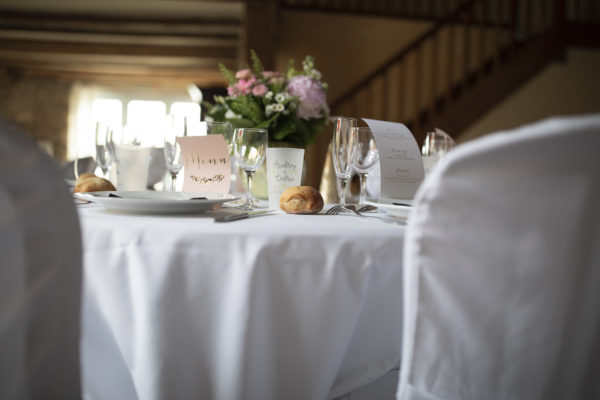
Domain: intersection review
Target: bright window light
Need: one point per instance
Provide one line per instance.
(145, 123)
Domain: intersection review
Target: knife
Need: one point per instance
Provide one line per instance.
(247, 214)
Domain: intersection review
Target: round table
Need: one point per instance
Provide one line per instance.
(271, 307)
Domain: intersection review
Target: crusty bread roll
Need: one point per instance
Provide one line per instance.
(301, 200)
(92, 184)
(85, 175)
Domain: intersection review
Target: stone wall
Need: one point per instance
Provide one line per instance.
(38, 105)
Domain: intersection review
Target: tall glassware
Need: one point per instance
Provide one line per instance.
(103, 155)
(343, 147)
(365, 157)
(250, 145)
(173, 158)
(225, 129)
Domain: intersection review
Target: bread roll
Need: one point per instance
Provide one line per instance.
(85, 175)
(301, 200)
(93, 184)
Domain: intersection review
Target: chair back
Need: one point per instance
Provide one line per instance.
(40, 275)
(502, 278)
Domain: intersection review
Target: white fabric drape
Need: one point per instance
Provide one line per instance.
(40, 275)
(502, 260)
(275, 307)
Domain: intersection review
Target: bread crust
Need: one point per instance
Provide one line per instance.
(301, 200)
(92, 184)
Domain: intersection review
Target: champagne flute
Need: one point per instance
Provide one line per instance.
(173, 158)
(221, 128)
(437, 143)
(365, 157)
(225, 129)
(343, 147)
(103, 155)
(250, 146)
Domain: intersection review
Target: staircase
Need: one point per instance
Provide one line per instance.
(469, 60)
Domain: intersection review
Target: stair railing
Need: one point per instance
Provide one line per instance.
(448, 60)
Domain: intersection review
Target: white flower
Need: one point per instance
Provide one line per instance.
(280, 97)
(269, 95)
(278, 107)
(269, 109)
(208, 119)
(315, 74)
(230, 114)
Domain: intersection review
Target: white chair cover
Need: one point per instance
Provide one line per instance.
(502, 258)
(40, 275)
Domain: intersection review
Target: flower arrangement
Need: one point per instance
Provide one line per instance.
(292, 106)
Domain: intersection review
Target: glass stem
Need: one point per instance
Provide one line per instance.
(343, 194)
(173, 180)
(363, 188)
(249, 191)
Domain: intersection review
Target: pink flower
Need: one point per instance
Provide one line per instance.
(242, 87)
(311, 95)
(243, 74)
(271, 74)
(259, 90)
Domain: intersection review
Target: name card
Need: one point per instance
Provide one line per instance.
(206, 164)
(400, 162)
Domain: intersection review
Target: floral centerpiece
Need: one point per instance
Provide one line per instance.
(292, 106)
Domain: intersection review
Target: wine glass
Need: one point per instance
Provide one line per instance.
(250, 146)
(436, 144)
(343, 147)
(173, 158)
(365, 157)
(103, 155)
(225, 129)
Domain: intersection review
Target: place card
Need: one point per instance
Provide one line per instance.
(206, 164)
(400, 162)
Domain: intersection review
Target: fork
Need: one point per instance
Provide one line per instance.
(350, 207)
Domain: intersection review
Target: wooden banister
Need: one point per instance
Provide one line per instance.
(479, 37)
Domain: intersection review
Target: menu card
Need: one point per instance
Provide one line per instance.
(206, 164)
(401, 165)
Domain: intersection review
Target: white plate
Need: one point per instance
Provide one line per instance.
(401, 209)
(157, 202)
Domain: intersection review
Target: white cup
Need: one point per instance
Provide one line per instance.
(284, 169)
(132, 167)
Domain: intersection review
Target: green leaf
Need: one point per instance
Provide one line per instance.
(247, 107)
(257, 65)
(240, 123)
(229, 76)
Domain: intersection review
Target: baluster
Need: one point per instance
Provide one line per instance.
(482, 38)
(418, 89)
(385, 100)
(527, 25)
(434, 74)
(466, 48)
(498, 34)
(402, 92)
(450, 64)
(544, 16)
(514, 23)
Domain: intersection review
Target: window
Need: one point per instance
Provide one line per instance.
(134, 115)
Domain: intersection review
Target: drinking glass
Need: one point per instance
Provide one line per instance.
(365, 157)
(173, 158)
(343, 147)
(221, 128)
(103, 155)
(250, 146)
(225, 129)
(436, 144)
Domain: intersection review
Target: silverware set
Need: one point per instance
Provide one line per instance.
(338, 209)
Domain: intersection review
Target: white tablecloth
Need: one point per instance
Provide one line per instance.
(273, 307)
